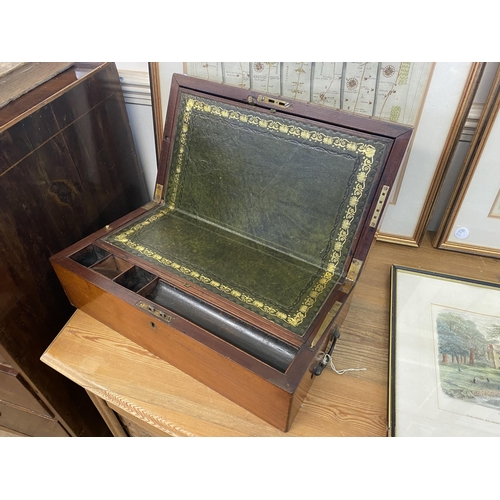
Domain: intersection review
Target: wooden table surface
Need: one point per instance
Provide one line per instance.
(134, 381)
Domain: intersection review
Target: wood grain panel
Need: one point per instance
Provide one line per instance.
(14, 389)
(67, 167)
(28, 423)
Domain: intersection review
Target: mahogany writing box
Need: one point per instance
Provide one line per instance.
(238, 271)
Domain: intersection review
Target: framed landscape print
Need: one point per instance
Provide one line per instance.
(472, 220)
(444, 355)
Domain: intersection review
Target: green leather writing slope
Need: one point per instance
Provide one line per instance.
(258, 209)
(239, 272)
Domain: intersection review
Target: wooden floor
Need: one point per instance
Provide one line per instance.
(354, 404)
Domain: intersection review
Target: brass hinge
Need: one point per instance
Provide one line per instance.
(331, 314)
(352, 275)
(149, 205)
(380, 205)
(158, 193)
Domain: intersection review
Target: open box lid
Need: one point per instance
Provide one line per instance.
(264, 202)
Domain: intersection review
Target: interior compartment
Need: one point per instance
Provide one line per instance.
(147, 289)
(272, 351)
(111, 266)
(89, 255)
(135, 278)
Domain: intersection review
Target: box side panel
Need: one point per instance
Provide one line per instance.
(256, 394)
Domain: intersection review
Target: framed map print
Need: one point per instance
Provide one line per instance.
(472, 220)
(444, 355)
(435, 98)
(392, 91)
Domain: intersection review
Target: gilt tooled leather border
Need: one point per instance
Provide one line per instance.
(365, 151)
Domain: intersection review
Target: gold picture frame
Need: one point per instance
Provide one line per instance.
(448, 101)
(472, 218)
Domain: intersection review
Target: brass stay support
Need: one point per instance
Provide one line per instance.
(352, 275)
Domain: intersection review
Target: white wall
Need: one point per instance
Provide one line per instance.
(137, 93)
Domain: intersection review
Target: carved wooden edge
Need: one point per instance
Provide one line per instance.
(108, 416)
(134, 426)
(140, 413)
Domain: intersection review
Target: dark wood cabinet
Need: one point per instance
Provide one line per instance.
(68, 166)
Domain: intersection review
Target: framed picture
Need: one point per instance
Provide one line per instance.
(444, 355)
(435, 98)
(160, 76)
(443, 114)
(472, 220)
